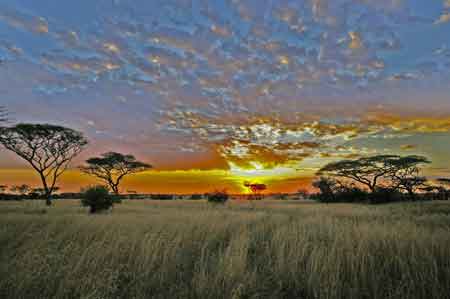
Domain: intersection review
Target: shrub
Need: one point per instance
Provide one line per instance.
(97, 198)
(218, 197)
(196, 196)
(162, 196)
(116, 199)
(385, 195)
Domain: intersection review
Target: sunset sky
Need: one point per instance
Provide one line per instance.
(214, 93)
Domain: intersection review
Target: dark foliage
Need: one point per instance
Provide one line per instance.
(386, 195)
(112, 167)
(49, 149)
(162, 196)
(196, 196)
(256, 190)
(219, 197)
(377, 171)
(98, 199)
(376, 179)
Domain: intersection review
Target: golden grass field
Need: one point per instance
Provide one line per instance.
(192, 249)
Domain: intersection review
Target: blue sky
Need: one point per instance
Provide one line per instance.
(198, 84)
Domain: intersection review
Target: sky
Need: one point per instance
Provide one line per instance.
(213, 93)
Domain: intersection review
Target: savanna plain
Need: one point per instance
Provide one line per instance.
(194, 249)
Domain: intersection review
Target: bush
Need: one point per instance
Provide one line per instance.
(162, 196)
(97, 198)
(218, 197)
(196, 196)
(116, 199)
(385, 195)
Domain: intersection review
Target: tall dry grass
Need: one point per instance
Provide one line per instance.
(195, 250)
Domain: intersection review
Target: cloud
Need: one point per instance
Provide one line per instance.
(275, 81)
(444, 18)
(272, 141)
(24, 21)
(408, 147)
(186, 46)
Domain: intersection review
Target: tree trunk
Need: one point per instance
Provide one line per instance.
(48, 198)
(412, 195)
(115, 189)
(48, 193)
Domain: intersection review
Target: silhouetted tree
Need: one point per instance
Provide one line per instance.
(410, 184)
(371, 171)
(21, 189)
(327, 187)
(406, 175)
(49, 149)
(113, 167)
(256, 189)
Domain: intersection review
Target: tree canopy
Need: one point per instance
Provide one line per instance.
(372, 171)
(256, 188)
(406, 176)
(49, 149)
(112, 167)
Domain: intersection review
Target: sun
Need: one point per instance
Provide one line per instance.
(258, 174)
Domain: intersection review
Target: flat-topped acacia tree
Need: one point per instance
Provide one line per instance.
(49, 149)
(112, 167)
(372, 171)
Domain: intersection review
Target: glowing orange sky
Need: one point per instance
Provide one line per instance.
(177, 182)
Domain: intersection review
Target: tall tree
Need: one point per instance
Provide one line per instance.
(366, 171)
(372, 171)
(113, 167)
(49, 149)
(406, 175)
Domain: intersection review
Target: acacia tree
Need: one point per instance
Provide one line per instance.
(406, 177)
(49, 149)
(327, 187)
(113, 167)
(256, 189)
(372, 171)
(366, 171)
(21, 189)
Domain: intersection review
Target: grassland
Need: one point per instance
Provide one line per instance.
(187, 249)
